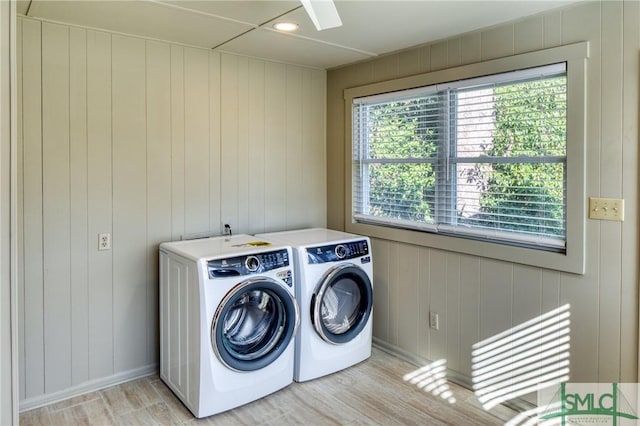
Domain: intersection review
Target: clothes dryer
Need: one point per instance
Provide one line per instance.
(334, 275)
(228, 319)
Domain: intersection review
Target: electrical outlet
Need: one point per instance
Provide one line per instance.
(606, 208)
(434, 320)
(104, 241)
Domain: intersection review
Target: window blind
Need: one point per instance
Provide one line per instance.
(483, 158)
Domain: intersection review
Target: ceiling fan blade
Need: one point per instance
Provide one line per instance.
(323, 13)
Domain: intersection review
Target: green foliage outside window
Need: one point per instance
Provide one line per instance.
(525, 197)
(401, 190)
(530, 195)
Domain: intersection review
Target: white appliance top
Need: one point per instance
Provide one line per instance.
(217, 247)
(305, 237)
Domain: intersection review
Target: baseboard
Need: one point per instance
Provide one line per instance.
(517, 404)
(86, 387)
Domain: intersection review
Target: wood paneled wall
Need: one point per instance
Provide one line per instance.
(8, 323)
(150, 142)
(477, 297)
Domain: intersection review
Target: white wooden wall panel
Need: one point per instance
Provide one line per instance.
(409, 62)
(312, 147)
(231, 190)
(197, 170)
(395, 276)
(229, 133)
(100, 203)
(470, 48)
(552, 29)
(33, 314)
(470, 290)
(528, 35)
(454, 52)
(550, 290)
(78, 204)
(424, 292)
(56, 214)
(256, 155)
(439, 56)
(527, 293)
(314, 140)
(129, 237)
(584, 339)
(158, 155)
(630, 130)
(385, 68)
(243, 144)
(335, 140)
(438, 303)
(294, 217)
(452, 311)
(408, 298)
(585, 24)
(380, 250)
(497, 42)
(494, 296)
(20, 208)
(177, 143)
(133, 137)
(275, 147)
(9, 370)
(215, 143)
(611, 156)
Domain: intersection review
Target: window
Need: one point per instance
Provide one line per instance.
(486, 159)
(481, 158)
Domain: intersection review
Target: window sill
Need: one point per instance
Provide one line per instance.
(572, 261)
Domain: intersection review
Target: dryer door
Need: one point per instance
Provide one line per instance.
(254, 324)
(342, 303)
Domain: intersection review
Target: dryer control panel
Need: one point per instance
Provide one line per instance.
(337, 252)
(248, 264)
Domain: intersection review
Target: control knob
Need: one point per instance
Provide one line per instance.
(252, 263)
(341, 251)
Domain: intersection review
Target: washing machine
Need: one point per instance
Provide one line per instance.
(334, 274)
(228, 320)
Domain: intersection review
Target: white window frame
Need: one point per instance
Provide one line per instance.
(573, 259)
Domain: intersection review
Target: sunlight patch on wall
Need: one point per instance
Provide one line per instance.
(523, 359)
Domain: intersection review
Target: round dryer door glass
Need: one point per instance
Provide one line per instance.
(253, 325)
(342, 304)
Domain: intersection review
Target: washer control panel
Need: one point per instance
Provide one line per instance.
(249, 264)
(337, 252)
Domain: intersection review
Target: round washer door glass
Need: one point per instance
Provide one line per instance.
(342, 304)
(254, 324)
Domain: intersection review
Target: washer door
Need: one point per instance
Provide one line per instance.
(254, 324)
(341, 304)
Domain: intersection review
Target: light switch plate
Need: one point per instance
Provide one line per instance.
(606, 208)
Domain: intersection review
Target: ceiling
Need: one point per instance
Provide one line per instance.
(370, 27)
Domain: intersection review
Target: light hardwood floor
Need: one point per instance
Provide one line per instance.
(371, 393)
